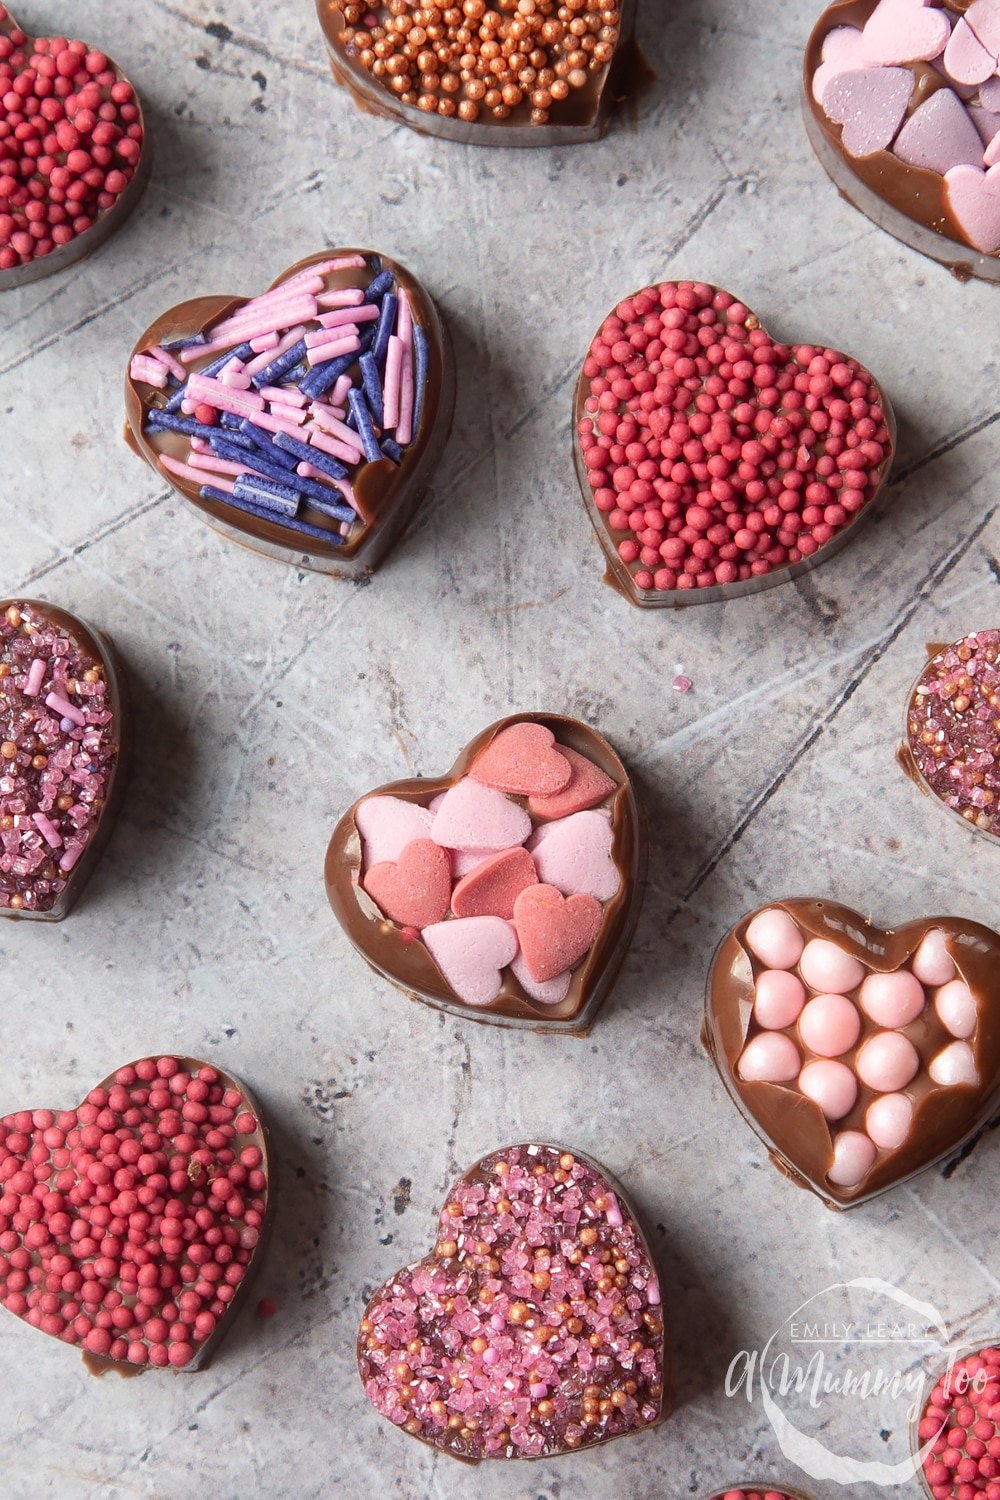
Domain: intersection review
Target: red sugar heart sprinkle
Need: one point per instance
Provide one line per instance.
(128, 1224)
(962, 1421)
(720, 453)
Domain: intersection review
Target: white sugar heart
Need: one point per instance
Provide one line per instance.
(474, 816)
(966, 60)
(939, 135)
(574, 855)
(870, 104)
(904, 31)
(471, 952)
(387, 825)
(973, 196)
(841, 54)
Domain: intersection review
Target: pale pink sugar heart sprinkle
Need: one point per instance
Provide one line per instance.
(841, 54)
(974, 200)
(904, 31)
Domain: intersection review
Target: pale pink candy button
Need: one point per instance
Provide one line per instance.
(932, 963)
(888, 1120)
(892, 999)
(888, 1062)
(853, 1158)
(956, 1008)
(955, 1065)
(830, 1026)
(827, 967)
(778, 998)
(775, 938)
(831, 1085)
(770, 1058)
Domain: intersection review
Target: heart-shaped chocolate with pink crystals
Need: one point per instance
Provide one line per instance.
(130, 1226)
(859, 1055)
(535, 1326)
(465, 889)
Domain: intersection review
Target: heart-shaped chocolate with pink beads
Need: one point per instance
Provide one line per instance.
(131, 1225)
(715, 460)
(507, 890)
(534, 1327)
(860, 1055)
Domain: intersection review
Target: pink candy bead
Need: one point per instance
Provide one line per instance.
(853, 1158)
(888, 1120)
(770, 1058)
(932, 963)
(778, 999)
(831, 1085)
(888, 1062)
(827, 967)
(954, 1065)
(892, 999)
(830, 1026)
(956, 1008)
(775, 938)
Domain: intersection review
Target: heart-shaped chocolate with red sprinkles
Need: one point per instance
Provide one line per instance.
(131, 1225)
(535, 1326)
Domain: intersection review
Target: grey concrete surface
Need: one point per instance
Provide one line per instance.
(268, 699)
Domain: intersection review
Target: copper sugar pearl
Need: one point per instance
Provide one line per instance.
(953, 728)
(472, 60)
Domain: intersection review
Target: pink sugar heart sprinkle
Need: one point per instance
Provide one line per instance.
(973, 196)
(870, 104)
(904, 31)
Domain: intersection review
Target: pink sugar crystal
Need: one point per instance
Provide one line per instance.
(953, 728)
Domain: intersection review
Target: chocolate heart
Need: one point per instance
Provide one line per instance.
(850, 1105)
(379, 67)
(65, 736)
(304, 423)
(904, 182)
(513, 1339)
(132, 1225)
(470, 963)
(714, 461)
(78, 139)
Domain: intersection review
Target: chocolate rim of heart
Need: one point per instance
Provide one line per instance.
(390, 506)
(409, 965)
(906, 760)
(859, 179)
(101, 647)
(967, 1349)
(205, 1351)
(615, 86)
(944, 1118)
(626, 1200)
(110, 220)
(617, 574)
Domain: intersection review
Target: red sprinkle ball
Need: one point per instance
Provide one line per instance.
(953, 728)
(964, 1463)
(70, 141)
(58, 745)
(721, 454)
(127, 1225)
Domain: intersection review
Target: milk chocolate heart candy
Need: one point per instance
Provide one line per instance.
(920, 177)
(387, 893)
(132, 1225)
(304, 423)
(64, 746)
(713, 460)
(504, 1343)
(93, 158)
(859, 1055)
(488, 106)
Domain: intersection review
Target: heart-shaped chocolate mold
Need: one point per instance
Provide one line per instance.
(470, 961)
(304, 423)
(859, 1055)
(589, 66)
(131, 1226)
(952, 738)
(926, 174)
(92, 143)
(64, 747)
(534, 1327)
(713, 460)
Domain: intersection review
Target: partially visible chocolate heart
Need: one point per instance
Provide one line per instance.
(713, 460)
(534, 1328)
(131, 1226)
(304, 423)
(65, 735)
(859, 1055)
(471, 961)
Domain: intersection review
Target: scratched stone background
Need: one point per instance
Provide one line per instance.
(268, 699)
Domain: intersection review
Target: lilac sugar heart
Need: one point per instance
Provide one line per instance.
(974, 199)
(966, 60)
(870, 104)
(841, 54)
(939, 135)
(983, 17)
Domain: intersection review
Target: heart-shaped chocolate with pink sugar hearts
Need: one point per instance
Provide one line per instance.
(860, 1055)
(713, 460)
(901, 107)
(131, 1226)
(535, 1326)
(65, 734)
(507, 890)
(304, 423)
